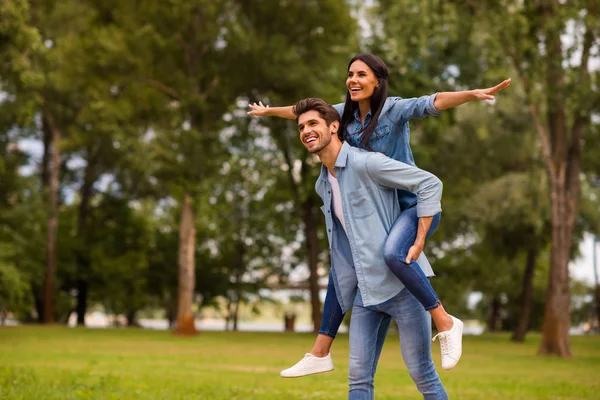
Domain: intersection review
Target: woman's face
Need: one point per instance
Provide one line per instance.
(361, 81)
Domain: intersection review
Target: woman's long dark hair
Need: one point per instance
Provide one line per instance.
(377, 99)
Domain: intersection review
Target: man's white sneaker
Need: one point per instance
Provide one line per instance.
(451, 344)
(309, 365)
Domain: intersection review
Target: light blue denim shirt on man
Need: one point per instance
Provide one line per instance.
(368, 186)
(392, 135)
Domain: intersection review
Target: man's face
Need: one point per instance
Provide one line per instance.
(314, 132)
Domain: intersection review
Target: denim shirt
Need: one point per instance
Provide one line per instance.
(392, 134)
(368, 187)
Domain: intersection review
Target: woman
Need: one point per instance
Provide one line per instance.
(367, 101)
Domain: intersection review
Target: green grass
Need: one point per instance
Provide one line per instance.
(62, 363)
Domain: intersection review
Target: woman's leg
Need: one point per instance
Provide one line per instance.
(319, 359)
(330, 322)
(400, 239)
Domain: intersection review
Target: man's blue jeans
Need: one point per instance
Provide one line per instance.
(368, 329)
(400, 239)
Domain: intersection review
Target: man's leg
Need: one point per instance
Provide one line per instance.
(368, 329)
(319, 360)
(414, 325)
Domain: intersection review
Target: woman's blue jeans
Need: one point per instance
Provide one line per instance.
(400, 239)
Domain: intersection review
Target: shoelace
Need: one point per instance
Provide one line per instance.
(304, 359)
(443, 341)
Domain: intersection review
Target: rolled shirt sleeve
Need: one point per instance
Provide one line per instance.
(394, 174)
(402, 110)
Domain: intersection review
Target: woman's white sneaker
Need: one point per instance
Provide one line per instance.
(451, 344)
(309, 365)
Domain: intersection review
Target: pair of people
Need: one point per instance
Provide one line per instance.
(371, 120)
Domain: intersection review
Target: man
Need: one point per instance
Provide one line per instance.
(360, 206)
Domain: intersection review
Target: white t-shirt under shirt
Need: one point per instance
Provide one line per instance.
(336, 198)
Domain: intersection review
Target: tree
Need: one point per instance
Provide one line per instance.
(530, 37)
(252, 221)
(273, 43)
(185, 62)
(561, 94)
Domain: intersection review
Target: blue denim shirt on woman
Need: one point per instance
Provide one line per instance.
(392, 134)
(368, 186)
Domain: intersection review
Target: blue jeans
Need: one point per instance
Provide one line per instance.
(368, 329)
(400, 239)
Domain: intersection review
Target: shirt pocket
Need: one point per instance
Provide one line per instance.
(361, 203)
(381, 140)
(381, 131)
(364, 216)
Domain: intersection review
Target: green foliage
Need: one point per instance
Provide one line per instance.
(14, 290)
(150, 100)
(20, 49)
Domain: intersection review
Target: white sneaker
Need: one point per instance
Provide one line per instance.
(451, 344)
(309, 365)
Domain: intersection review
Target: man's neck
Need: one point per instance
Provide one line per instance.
(329, 155)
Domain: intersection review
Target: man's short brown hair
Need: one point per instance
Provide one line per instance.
(325, 110)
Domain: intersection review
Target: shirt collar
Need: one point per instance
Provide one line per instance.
(343, 155)
(340, 162)
(357, 114)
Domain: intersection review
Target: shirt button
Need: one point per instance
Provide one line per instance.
(328, 192)
(328, 211)
(329, 230)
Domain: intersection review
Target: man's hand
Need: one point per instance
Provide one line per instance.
(488, 94)
(415, 251)
(258, 110)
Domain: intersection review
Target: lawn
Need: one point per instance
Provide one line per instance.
(62, 363)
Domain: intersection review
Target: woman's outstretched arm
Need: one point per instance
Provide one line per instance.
(446, 100)
(260, 110)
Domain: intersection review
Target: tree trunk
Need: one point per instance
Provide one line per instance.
(597, 301)
(38, 302)
(82, 258)
(82, 293)
(239, 271)
(170, 313)
(186, 261)
(229, 312)
(50, 272)
(236, 312)
(596, 279)
(312, 246)
(132, 318)
(493, 314)
(526, 297)
(557, 321)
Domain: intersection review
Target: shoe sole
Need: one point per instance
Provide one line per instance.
(307, 374)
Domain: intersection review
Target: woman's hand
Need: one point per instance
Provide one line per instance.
(258, 110)
(488, 94)
(415, 251)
